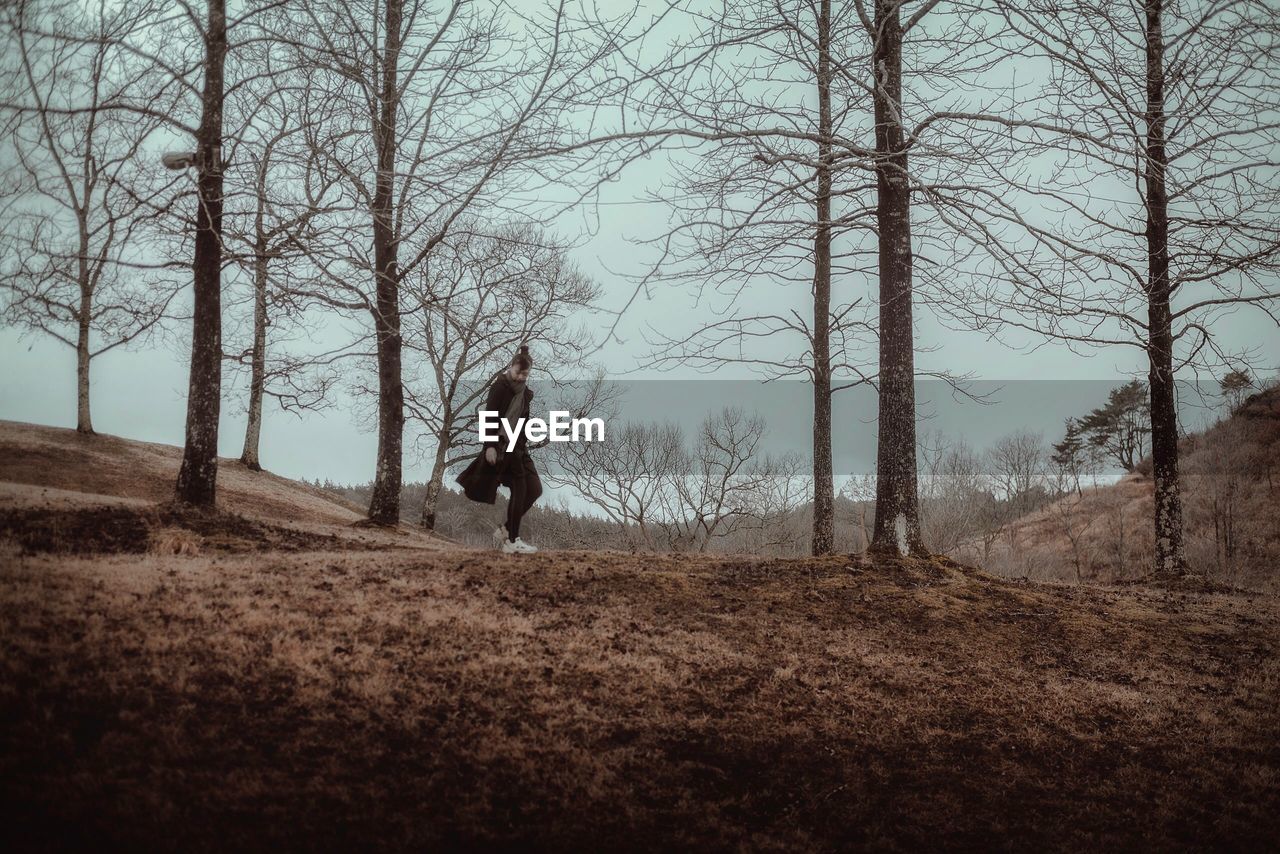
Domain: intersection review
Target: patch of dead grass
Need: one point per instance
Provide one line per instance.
(593, 699)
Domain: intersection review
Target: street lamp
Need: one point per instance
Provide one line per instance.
(177, 160)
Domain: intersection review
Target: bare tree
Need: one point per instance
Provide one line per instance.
(274, 195)
(78, 205)
(955, 493)
(466, 312)
(1160, 141)
(861, 489)
(430, 111)
(1074, 525)
(627, 476)
(774, 513)
(897, 526)
(712, 489)
(198, 473)
(1016, 464)
(762, 207)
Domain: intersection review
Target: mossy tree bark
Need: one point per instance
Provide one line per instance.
(384, 505)
(198, 474)
(897, 525)
(1170, 556)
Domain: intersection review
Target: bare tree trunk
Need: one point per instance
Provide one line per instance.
(258, 360)
(84, 420)
(897, 526)
(823, 482)
(434, 485)
(1170, 558)
(384, 506)
(198, 475)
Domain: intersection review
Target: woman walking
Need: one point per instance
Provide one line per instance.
(509, 397)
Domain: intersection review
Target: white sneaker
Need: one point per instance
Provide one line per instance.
(499, 536)
(518, 546)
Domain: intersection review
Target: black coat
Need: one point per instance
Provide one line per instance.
(479, 480)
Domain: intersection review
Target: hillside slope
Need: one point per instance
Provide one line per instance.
(1231, 504)
(63, 459)
(61, 491)
(212, 681)
(470, 700)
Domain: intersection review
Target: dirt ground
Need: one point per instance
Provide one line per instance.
(399, 698)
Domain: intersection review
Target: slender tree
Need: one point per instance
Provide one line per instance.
(79, 206)
(761, 210)
(430, 111)
(274, 194)
(1155, 161)
(198, 473)
(485, 292)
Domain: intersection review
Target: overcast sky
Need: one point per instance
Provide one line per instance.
(140, 393)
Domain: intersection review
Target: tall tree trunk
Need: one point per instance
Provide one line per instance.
(1170, 557)
(198, 475)
(432, 500)
(384, 506)
(897, 527)
(84, 420)
(258, 359)
(823, 485)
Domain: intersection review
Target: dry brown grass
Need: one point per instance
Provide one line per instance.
(62, 459)
(1230, 477)
(277, 679)
(64, 492)
(590, 699)
(172, 540)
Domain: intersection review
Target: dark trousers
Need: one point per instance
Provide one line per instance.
(525, 485)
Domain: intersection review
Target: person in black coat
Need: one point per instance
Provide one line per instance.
(509, 397)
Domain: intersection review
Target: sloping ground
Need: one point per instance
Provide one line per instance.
(108, 465)
(1231, 504)
(589, 700)
(64, 492)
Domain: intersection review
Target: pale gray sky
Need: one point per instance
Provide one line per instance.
(140, 393)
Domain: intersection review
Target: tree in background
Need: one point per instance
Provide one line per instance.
(716, 481)
(483, 294)
(1234, 388)
(78, 202)
(1070, 457)
(1154, 157)
(1120, 427)
(665, 490)
(954, 493)
(624, 476)
(432, 111)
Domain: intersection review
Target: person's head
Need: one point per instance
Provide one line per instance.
(521, 362)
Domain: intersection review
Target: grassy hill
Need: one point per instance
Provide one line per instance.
(64, 492)
(328, 693)
(53, 458)
(1231, 504)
